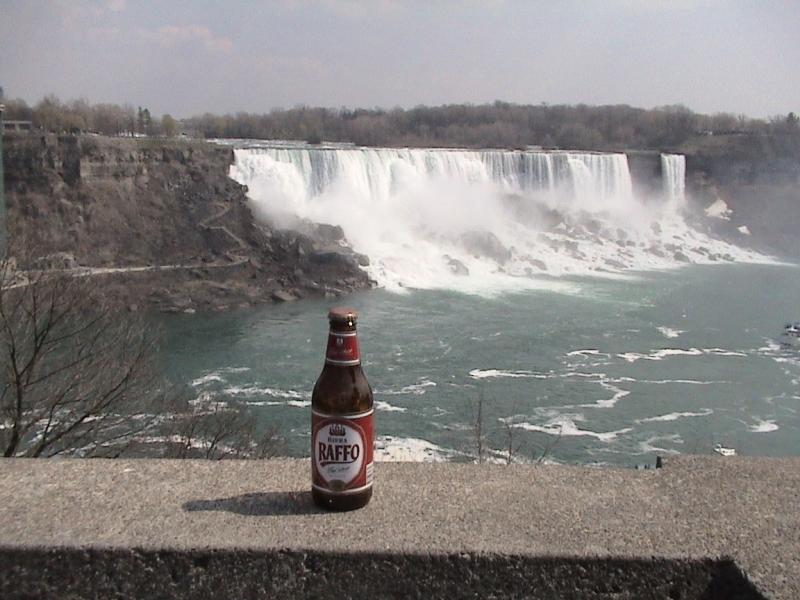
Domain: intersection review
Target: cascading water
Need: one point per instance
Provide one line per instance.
(673, 174)
(478, 221)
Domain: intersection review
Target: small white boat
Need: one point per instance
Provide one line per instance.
(720, 449)
(790, 338)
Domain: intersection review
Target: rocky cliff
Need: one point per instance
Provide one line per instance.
(757, 180)
(161, 224)
(744, 188)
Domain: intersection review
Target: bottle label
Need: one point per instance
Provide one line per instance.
(341, 452)
(342, 349)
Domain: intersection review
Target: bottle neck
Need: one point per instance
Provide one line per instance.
(342, 350)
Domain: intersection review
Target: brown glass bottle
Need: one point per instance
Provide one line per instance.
(342, 432)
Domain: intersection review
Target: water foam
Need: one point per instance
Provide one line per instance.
(500, 373)
(668, 332)
(764, 426)
(564, 425)
(386, 407)
(619, 394)
(648, 446)
(719, 210)
(249, 391)
(674, 416)
(217, 376)
(292, 403)
(670, 352)
(209, 378)
(408, 449)
(479, 221)
(588, 352)
(414, 389)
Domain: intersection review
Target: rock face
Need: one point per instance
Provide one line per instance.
(485, 244)
(645, 167)
(758, 179)
(166, 211)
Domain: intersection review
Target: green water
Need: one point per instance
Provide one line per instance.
(613, 373)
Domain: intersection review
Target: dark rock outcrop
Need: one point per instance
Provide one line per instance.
(485, 244)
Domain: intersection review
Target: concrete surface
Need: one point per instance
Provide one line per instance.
(604, 533)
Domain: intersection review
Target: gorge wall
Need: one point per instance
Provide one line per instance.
(161, 223)
(758, 179)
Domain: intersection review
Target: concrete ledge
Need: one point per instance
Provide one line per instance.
(702, 527)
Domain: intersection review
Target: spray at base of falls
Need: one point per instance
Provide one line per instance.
(481, 221)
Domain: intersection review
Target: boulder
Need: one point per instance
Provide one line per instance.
(58, 260)
(282, 296)
(456, 266)
(328, 233)
(681, 257)
(539, 264)
(485, 244)
(615, 263)
(334, 259)
(594, 226)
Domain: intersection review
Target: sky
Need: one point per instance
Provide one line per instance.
(186, 57)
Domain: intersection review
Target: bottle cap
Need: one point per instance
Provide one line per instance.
(342, 314)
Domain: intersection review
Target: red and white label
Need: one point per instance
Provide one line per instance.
(342, 349)
(341, 451)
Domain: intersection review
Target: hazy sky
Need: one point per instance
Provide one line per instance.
(191, 56)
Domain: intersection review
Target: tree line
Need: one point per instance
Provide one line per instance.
(497, 125)
(79, 116)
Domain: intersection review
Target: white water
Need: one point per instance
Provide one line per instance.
(673, 174)
(479, 221)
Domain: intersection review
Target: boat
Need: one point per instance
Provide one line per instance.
(790, 338)
(720, 449)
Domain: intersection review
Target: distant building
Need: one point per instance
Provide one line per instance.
(17, 126)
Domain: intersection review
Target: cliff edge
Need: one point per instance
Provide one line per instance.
(162, 224)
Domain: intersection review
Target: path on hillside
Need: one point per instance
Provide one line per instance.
(205, 225)
(23, 278)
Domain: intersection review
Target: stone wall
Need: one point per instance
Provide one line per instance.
(701, 527)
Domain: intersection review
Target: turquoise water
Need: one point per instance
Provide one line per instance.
(613, 372)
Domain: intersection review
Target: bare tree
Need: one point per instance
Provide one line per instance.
(547, 448)
(78, 378)
(512, 446)
(515, 448)
(76, 375)
(220, 432)
(477, 426)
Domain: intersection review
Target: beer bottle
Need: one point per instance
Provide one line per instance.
(342, 432)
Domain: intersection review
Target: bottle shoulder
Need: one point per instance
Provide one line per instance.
(342, 390)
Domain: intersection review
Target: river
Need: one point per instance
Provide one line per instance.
(599, 372)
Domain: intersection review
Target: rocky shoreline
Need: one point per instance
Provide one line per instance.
(161, 226)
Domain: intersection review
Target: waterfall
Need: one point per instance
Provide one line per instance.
(673, 173)
(476, 221)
